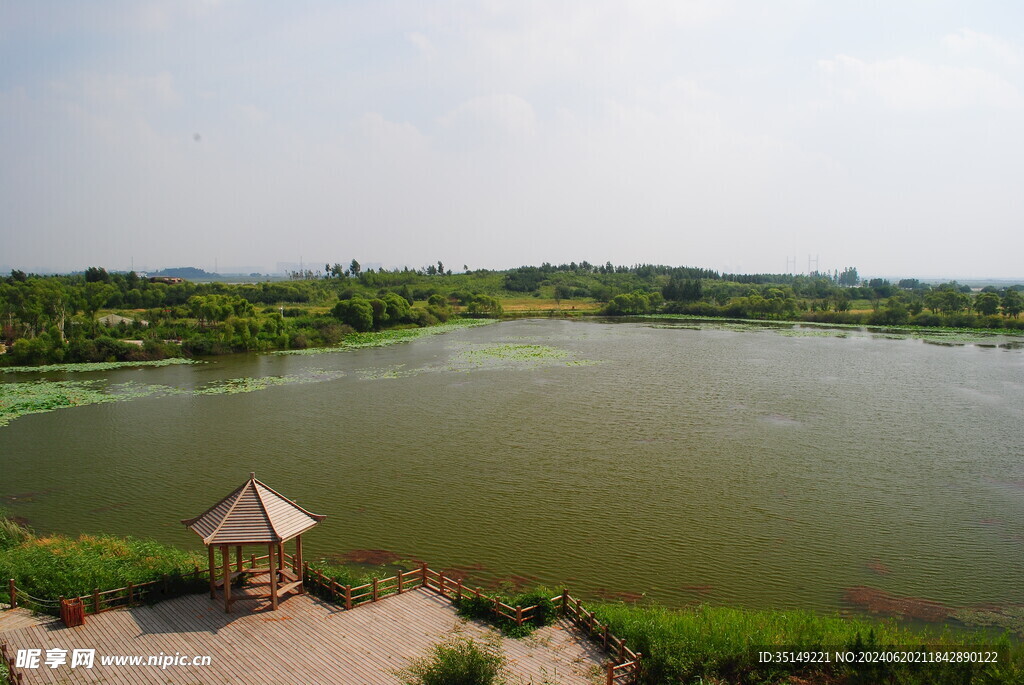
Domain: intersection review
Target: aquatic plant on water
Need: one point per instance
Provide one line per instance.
(94, 366)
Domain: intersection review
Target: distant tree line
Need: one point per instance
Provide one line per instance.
(58, 318)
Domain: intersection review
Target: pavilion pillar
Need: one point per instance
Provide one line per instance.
(280, 555)
(213, 573)
(238, 558)
(225, 553)
(299, 568)
(273, 578)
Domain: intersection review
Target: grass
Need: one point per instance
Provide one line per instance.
(93, 366)
(543, 304)
(49, 567)
(722, 645)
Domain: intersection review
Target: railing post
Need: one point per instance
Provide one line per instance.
(14, 593)
(319, 577)
(130, 597)
(611, 674)
(477, 593)
(334, 590)
(95, 600)
(458, 589)
(565, 601)
(606, 637)
(399, 583)
(423, 570)
(622, 650)
(590, 619)
(348, 596)
(375, 588)
(440, 583)
(252, 561)
(497, 607)
(519, 615)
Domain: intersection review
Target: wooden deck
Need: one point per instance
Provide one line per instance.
(13, 619)
(305, 641)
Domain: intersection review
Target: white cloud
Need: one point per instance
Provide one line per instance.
(423, 44)
(490, 116)
(968, 42)
(909, 84)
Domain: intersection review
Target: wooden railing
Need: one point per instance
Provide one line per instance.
(623, 668)
(14, 676)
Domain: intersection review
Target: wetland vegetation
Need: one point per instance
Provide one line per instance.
(103, 317)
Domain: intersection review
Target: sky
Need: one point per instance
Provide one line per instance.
(737, 136)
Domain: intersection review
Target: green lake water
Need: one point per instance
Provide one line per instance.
(760, 467)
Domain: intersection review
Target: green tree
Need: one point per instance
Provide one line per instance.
(986, 303)
(96, 274)
(484, 304)
(1013, 303)
(354, 268)
(357, 313)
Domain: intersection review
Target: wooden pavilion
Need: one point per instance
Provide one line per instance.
(254, 514)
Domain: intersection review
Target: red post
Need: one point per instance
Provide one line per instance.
(14, 593)
(399, 583)
(565, 601)
(519, 615)
(375, 589)
(458, 589)
(611, 674)
(348, 596)
(441, 583)
(423, 570)
(95, 600)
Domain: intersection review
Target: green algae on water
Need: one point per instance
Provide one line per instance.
(94, 366)
(36, 397)
(235, 386)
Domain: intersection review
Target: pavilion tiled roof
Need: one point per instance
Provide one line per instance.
(252, 514)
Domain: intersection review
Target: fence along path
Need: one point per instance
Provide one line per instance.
(623, 666)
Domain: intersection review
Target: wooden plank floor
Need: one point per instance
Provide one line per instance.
(12, 619)
(305, 641)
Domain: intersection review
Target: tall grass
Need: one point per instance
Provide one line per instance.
(57, 566)
(720, 644)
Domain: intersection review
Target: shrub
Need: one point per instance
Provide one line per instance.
(458, 662)
(55, 566)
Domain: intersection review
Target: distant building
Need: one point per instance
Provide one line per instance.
(170, 280)
(115, 320)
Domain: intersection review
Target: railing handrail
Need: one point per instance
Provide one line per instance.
(380, 588)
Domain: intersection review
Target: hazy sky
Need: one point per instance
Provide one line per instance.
(726, 134)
